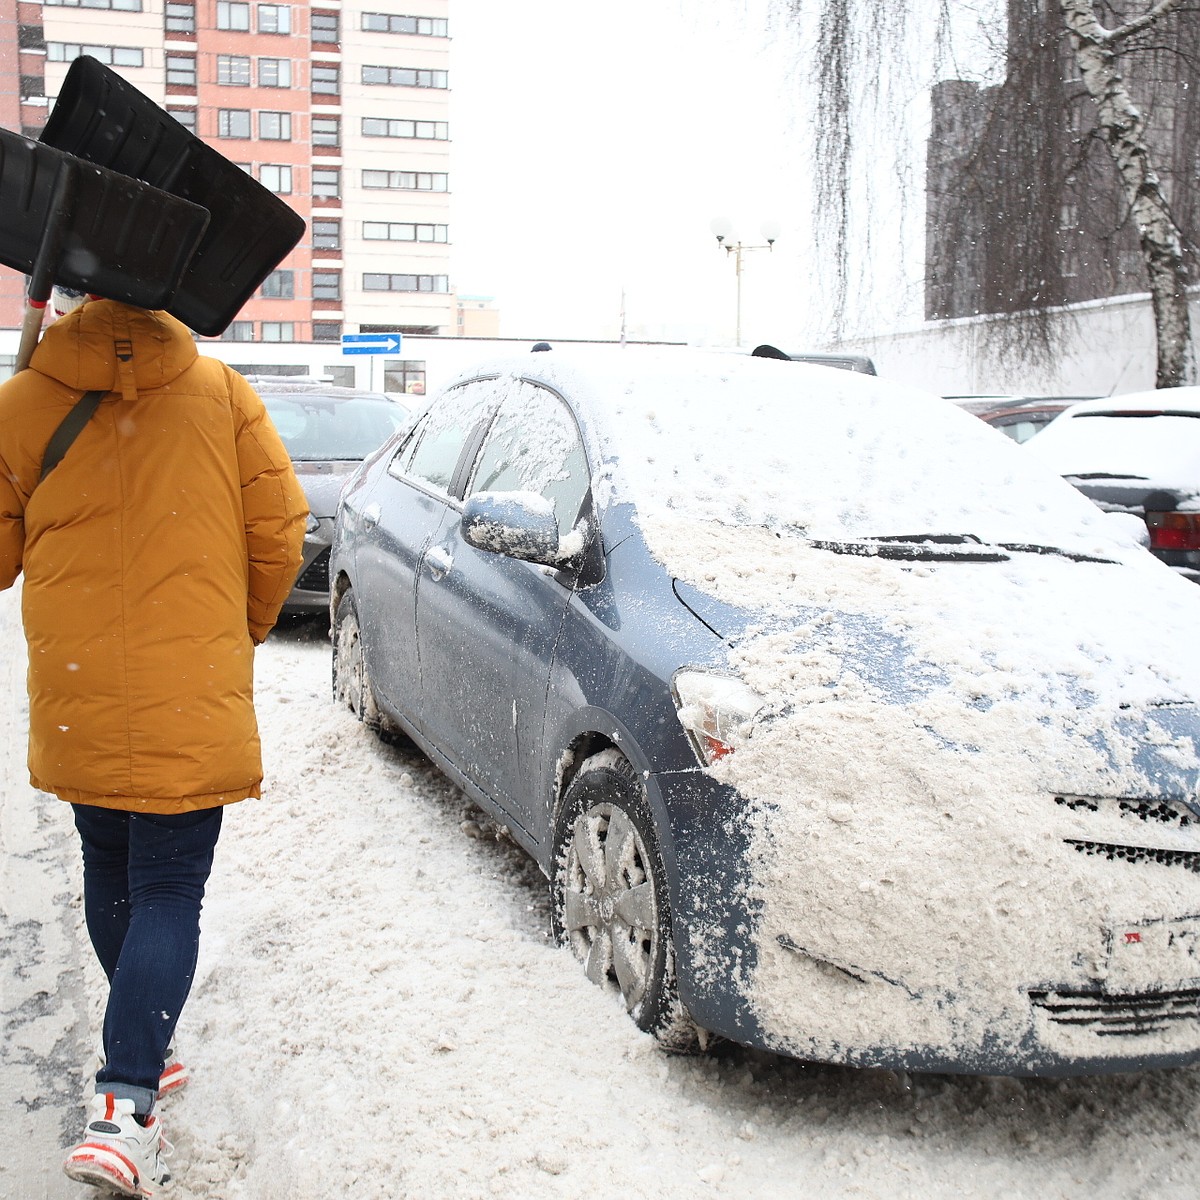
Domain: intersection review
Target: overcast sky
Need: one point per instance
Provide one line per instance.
(593, 145)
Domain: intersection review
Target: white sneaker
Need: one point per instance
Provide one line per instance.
(117, 1152)
(175, 1074)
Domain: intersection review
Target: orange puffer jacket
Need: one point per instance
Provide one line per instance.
(155, 554)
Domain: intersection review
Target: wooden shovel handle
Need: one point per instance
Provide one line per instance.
(31, 327)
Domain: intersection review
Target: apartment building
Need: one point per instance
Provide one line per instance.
(1024, 208)
(340, 109)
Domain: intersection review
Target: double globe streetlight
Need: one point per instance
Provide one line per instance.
(722, 229)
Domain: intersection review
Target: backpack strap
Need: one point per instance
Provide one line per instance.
(70, 428)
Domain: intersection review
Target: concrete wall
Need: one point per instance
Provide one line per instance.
(1107, 349)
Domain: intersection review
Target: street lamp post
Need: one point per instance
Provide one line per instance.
(723, 232)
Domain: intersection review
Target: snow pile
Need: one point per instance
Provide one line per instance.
(378, 1012)
(910, 766)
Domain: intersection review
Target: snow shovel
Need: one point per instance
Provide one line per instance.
(67, 221)
(106, 120)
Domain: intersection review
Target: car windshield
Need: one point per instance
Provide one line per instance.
(317, 428)
(832, 456)
(1160, 448)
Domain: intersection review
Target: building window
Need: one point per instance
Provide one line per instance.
(117, 5)
(181, 70)
(403, 231)
(179, 17)
(326, 27)
(233, 70)
(280, 285)
(407, 181)
(326, 234)
(330, 331)
(382, 127)
(326, 131)
(405, 375)
(233, 15)
(276, 179)
(113, 56)
(405, 283)
(275, 126)
(275, 72)
(233, 122)
(326, 183)
(326, 81)
(274, 18)
(278, 331)
(240, 331)
(405, 77)
(389, 23)
(185, 116)
(327, 285)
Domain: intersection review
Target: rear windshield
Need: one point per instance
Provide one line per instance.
(1160, 447)
(322, 428)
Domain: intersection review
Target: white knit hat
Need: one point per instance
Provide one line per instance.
(64, 300)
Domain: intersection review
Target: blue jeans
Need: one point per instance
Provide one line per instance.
(143, 883)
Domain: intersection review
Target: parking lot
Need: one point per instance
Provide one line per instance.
(379, 1012)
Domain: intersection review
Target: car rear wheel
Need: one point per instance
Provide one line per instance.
(610, 900)
(351, 683)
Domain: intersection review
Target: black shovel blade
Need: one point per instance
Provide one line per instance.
(101, 117)
(117, 237)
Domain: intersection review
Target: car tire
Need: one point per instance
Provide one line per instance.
(351, 683)
(609, 897)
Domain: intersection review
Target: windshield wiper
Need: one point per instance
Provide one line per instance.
(1105, 475)
(1073, 555)
(947, 547)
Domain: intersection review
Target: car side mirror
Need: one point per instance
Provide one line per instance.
(517, 524)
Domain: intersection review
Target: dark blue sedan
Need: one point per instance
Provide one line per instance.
(839, 727)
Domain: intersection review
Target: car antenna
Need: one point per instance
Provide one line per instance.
(540, 346)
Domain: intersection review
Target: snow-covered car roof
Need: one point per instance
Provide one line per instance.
(708, 438)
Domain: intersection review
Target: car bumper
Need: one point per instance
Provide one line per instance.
(1182, 562)
(310, 592)
(823, 979)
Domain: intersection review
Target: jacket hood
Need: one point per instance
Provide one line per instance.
(81, 349)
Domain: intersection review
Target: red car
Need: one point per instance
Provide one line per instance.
(1017, 417)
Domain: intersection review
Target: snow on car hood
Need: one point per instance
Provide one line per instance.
(920, 720)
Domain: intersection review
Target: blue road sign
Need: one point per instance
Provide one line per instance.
(371, 343)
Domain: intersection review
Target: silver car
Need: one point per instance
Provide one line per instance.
(328, 431)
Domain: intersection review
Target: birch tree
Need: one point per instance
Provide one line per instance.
(1124, 130)
(854, 37)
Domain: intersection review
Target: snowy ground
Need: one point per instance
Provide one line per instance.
(379, 1013)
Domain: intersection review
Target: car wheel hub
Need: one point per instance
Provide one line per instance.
(610, 913)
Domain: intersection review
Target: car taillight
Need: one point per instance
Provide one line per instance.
(1174, 530)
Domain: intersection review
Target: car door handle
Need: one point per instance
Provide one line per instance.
(370, 515)
(438, 560)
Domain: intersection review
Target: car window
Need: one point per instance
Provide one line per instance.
(452, 419)
(408, 444)
(534, 446)
(1021, 428)
(325, 428)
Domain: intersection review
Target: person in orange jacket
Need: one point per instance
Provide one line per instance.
(156, 554)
